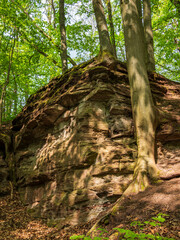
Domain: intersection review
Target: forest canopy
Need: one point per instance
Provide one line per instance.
(39, 41)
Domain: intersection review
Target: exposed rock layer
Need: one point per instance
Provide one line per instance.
(5, 160)
(74, 146)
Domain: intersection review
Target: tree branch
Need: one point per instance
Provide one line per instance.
(168, 69)
(39, 50)
(3, 93)
(43, 32)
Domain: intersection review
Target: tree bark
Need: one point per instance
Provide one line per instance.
(111, 24)
(105, 43)
(54, 13)
(143, 108)
(63, 36)
(150, 64)
(15, 96)
(3, 92)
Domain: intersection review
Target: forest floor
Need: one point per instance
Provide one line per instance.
(164, 198)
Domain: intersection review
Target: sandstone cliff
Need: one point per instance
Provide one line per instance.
(73, 143)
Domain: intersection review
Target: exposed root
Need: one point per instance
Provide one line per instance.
(98, 223)
(170, 175)
(145, 173)
(139, 184)
(12, 189)
(111, 212)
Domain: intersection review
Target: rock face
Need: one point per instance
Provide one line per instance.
(4, 186)
(5, 157)
(74, 146)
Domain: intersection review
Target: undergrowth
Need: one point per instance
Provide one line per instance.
(126, 234)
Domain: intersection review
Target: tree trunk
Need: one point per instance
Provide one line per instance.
(1, 103)
(63, 36)
(43, 32)
(3, 92)
(148, 35)
(54, 13)
(111, 24)
(105, 43)
(143, 109)
(15, 97)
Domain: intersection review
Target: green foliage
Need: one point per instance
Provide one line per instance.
(101, 232)
(166, 28)
(36, 56)
(130, 235)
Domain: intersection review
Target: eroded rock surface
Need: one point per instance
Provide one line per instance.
(5, 156)
(74, 141)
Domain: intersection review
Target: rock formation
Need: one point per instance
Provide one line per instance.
(74, 149)
(5, 158)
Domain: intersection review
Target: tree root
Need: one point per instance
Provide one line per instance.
(170, 175)
(12, 190)
(111, 212)
(139, 184)
(133, 188)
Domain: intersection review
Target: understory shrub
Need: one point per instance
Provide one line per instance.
(126, 234)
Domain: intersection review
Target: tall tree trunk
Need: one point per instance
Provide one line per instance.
(143, 109)
(3, 92)
(15, 96)
(148, 35)
(54, 13)
(105, 43)
(42, 31)
(63, 36)
(4, 107)
(8, 108)
(111, 24)
(1, 103)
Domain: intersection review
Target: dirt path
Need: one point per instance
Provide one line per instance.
(16, 223)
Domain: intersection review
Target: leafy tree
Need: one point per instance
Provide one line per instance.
(177, 4)
(37, 52)
(166, 28)
(7, 68)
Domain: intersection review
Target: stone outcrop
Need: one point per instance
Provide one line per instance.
(74, 146)
(5, 157)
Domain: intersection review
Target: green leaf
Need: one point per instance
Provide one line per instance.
(154, 224)
(137, 223)
(87, 238)
(78, 237)
(121, 230)
(159, 219)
